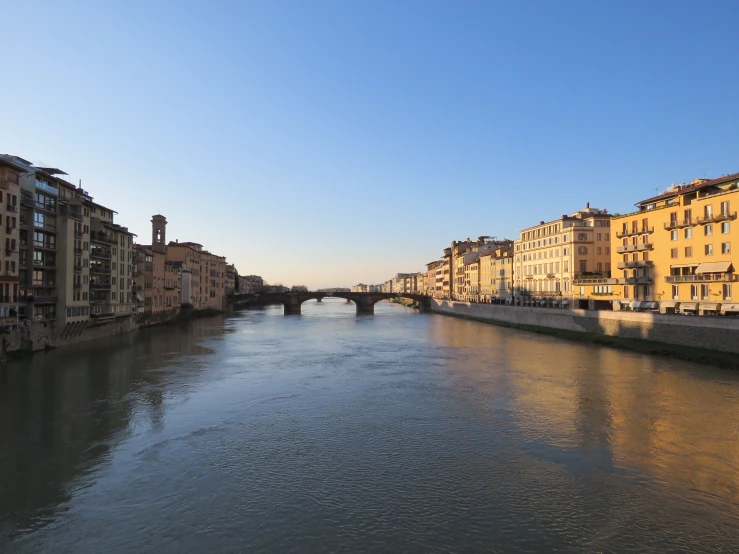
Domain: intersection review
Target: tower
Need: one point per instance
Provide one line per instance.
(158, 233)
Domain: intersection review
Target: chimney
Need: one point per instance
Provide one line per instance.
(587, 205)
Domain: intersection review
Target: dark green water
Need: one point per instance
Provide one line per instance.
(398, 432)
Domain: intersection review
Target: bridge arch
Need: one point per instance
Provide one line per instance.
(292, 301)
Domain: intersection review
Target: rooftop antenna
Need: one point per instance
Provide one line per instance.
(656, 189)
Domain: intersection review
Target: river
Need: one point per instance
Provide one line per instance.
(398, 432)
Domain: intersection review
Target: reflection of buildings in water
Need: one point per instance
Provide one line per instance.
(62, 411)
(670, 420)
(680, 425)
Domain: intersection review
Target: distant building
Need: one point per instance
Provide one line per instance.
(249, 284)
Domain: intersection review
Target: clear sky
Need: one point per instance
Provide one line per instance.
(331, 142)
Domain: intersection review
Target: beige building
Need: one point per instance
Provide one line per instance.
(551, 255)
(10, 178)
(496, 274)
(75, 263)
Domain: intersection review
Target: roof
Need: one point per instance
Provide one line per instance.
(714, 267)
(689, 188)
(190, 244)
(52, 170)
(471, 258)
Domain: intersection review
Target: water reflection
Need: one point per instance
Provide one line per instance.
(332, 432)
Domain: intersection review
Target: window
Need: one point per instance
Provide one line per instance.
(688, 251)
(582, 236)
(675, 295)
(607, 237)
(626, 291)
(582, 250)
(673, 253)
(608, 250)
(725, 247)
(709, 249)
(673, 235)
(705, 294)
(598, 250)
(694, 292)
(708, 230)
(688, 233)
(598, 236)
(727, 291)
(725, 227)
(725, 208)
(708, 211)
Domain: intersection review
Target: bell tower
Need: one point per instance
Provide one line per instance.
(158, 233)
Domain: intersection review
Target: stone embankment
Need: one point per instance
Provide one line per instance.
(706, 339)
(43, 335)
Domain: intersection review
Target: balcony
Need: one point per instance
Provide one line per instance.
(44, 299)
(716, 218)
(593, 279)
(44, 245)
(44, 264)
(634, 232)
(100, 253)
(703, 278)
(99, 285)
(78, 251)
(100, 269)
(77, 234)
(77, 286)
(541, 294)
(27, 199)
(45, 225)
(675, 224)
(634, 263)
(12, 208)
(78, 269)
(11, 251)
(633, 281)
(46, 188)
(635, 247)
(102, 237)
(75, 215)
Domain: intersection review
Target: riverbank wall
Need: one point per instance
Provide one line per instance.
(680, 332)
(43, 335)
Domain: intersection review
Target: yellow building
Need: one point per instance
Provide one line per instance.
(496, 272)
(675, 253)
(551, 256)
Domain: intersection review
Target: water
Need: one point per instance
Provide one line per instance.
(398, 432)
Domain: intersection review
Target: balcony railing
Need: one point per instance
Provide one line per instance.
(102, 237)
(702, 278)
(51, 264)
(633, 281)
(99, 286)
(27, 199)
(44, 299)
(78, 269)
(635, 247)
(634, 263)
(99, 253)
(77, 286)
(45, 225)
(46, 188)
(633, 232)
(100, 269)
(75, 215)
(47, 245)
(78, 234)
(715, 218)
(675, 224)
(12, 208)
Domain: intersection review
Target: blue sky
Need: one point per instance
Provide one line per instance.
(332, 142)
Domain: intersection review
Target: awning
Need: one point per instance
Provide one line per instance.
(684, 265)
(714, 267)
(139, 298)
(649, 305)
(635, 304)
(725, 308)
(669, 304)
(711, 306)
(689, 305)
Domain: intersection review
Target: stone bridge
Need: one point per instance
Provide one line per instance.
(365, 301)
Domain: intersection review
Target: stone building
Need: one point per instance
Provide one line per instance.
(551, 255)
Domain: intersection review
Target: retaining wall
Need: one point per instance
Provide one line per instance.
(713, 333)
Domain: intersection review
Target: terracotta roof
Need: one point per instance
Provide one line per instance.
(690, 188)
